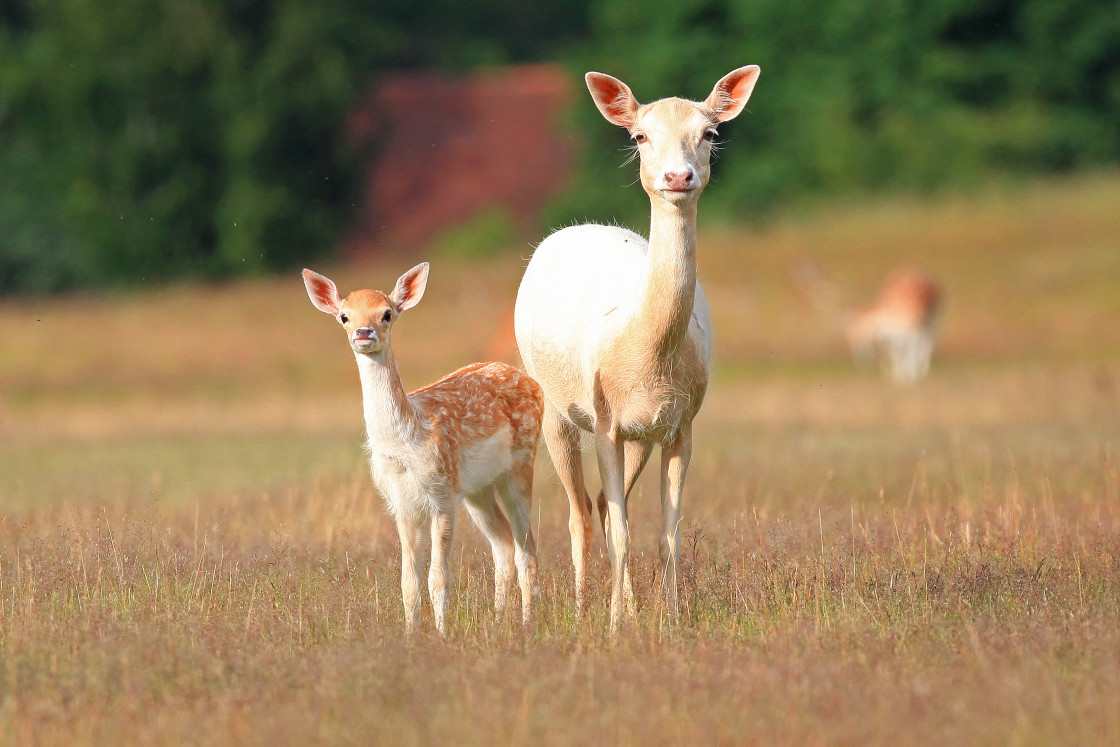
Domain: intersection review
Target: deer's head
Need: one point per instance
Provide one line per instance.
(673, 136)
(367, 315)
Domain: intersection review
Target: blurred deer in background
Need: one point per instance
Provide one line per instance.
(469, 437)
(899, 327)
(897, 330)
(617, 331)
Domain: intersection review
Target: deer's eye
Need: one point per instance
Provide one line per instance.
(387, 316)
(639, 137)
(343, 318)
(709, 135)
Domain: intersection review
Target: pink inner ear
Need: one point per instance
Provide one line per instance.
(742, 87)
(410, 287)
(731, 94)
(409, 290)
(324, 294)
(615, 101)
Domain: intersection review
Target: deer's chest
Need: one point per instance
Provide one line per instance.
(650, 410)
(410, 483)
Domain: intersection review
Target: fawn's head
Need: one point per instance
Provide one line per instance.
(367, 315)
(673, 136)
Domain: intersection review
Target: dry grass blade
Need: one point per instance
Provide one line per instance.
(191, 552)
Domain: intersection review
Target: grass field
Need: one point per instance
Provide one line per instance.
(191, 550)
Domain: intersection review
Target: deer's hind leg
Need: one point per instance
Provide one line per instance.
(923, 351)
(484, 511)
(562, 439)
(516, 492)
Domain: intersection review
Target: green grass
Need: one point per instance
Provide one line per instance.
(191, 550)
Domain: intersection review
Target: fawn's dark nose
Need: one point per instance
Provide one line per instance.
(678, 181)
(365, 333)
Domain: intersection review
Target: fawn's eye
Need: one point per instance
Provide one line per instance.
(343, 318)
(710, 135)
(387, 316)
(639, 137)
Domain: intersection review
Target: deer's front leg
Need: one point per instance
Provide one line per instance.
(411, 535)
(443, 531)
(636, 454)
(674, 463)
(609, 450)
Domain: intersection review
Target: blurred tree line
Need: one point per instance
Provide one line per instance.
(862, 95)
(150, 139)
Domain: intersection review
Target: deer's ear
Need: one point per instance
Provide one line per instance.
(410, 287)
(730, 95)
(614, 99)
(322, 292)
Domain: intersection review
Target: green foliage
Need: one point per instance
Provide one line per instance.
(150, 139)
(861, 95)
(145, 140)
(489, 231)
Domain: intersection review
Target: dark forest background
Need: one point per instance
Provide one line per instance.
(146, 140)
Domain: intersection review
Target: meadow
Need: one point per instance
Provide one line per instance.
(191, 551)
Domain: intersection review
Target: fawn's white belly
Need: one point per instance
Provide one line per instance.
(484, 461)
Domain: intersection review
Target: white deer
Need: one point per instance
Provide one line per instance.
(898, 327)
(461, 439)
(617, 330)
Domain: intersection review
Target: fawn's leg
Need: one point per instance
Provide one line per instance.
(443, 532)
(516, 493)
(484, 511)
(411, 534)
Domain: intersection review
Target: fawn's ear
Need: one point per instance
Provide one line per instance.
(410, 287)
(730, 95)
(614, 99)
(322, 292)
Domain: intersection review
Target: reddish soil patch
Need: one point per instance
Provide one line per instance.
(447, 147)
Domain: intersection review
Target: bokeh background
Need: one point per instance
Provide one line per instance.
(191, 550)
(155, 140)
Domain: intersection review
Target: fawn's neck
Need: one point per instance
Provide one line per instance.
(390, 416)
(668, 287)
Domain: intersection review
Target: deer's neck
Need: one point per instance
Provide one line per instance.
(668, 287)
(391, 419)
